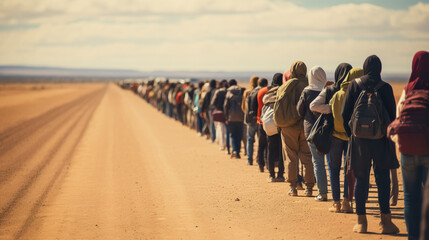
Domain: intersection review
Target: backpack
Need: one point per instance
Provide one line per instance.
(412, 124)
(321, 132)
(369, 119)
(252, 106)
(267, 118)
(285, 113)
(267, 113)
(235, 112)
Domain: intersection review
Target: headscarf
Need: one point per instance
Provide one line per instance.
(298, 70)
(316, 79)
(286, 75)
(253, 82)
(372, 70)
(341, 73)
(419, 78)
(353, 74)
(277, 80)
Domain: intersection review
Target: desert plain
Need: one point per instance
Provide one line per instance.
(94, 161)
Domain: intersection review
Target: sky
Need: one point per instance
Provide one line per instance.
(211, 35)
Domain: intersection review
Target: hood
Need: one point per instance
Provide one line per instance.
(372, 70)
(254, 81)
(341, 73)
(316, 79)
(298, 70)
(286, 76)
(353, 74)
(419, 78)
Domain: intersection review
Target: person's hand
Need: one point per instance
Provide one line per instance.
(328, 83)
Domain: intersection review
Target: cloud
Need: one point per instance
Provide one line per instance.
(207, 34)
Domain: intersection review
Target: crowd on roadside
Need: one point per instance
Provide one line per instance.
(300, 117)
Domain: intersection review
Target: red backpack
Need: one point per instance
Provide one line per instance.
(412, 125)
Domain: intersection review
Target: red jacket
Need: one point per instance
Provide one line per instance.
(261, 94)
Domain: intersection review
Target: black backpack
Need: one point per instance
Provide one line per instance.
(252, 106)
(369, 119)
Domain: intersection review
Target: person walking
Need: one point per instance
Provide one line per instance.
(274, 140)
(262, 136)
(316, 80)
(369, 99)
(339, 140)
(410, 130)
(292, 129)
(250, 109)
(218, 114)
(234, 116)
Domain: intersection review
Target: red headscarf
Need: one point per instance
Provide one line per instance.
(286, 76)
(419, 78)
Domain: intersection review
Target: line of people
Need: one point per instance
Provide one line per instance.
(351, 117)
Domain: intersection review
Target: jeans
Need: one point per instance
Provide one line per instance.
(275, 155)
(212, 126)
(200, 123)
(382, 178)
(252, 128)
(337, 153)
(414, 174)
(236, 131)
(262, 147)
(319, 169)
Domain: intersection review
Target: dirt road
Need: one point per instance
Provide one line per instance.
(97, 162)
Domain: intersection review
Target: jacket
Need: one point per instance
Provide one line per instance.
(232, 105)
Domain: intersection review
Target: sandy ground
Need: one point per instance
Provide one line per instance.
(93, 161)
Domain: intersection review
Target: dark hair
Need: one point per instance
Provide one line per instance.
(232, 82)
(277, 79)
(262, 82)
(200, 84)
(212, 84)
(223, 83)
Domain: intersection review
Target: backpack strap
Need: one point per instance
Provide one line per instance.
(360, 83)
(379, 85)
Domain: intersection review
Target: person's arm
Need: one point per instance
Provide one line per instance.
(319, 103)
(243, 101)
(348, 106)
(301, 107)
(400, 103)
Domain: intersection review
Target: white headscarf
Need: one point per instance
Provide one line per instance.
(316, 79)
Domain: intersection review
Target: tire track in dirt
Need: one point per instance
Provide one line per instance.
(17, 212)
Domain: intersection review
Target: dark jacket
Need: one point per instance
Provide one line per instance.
(207, 99)
(232, 105)
(303, 107)
(218, 99)
(361, 151)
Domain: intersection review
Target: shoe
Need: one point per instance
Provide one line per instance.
(271, 179)
(280, 179)
(336, 207)
(321, 197)
(293, 192)
(345, 206)
(250, 163)
(386, 225)
(308, 192)
(261, 169)
(238, 156)
(362, 225)
(299, 186)
(234, 155)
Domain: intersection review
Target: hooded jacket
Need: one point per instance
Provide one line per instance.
(232, 105)
(316, 80)
(337, 101)
(291, 91)
(361, 151)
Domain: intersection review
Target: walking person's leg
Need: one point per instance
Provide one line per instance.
(290, 148)
(262, 145)
(319, 172)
